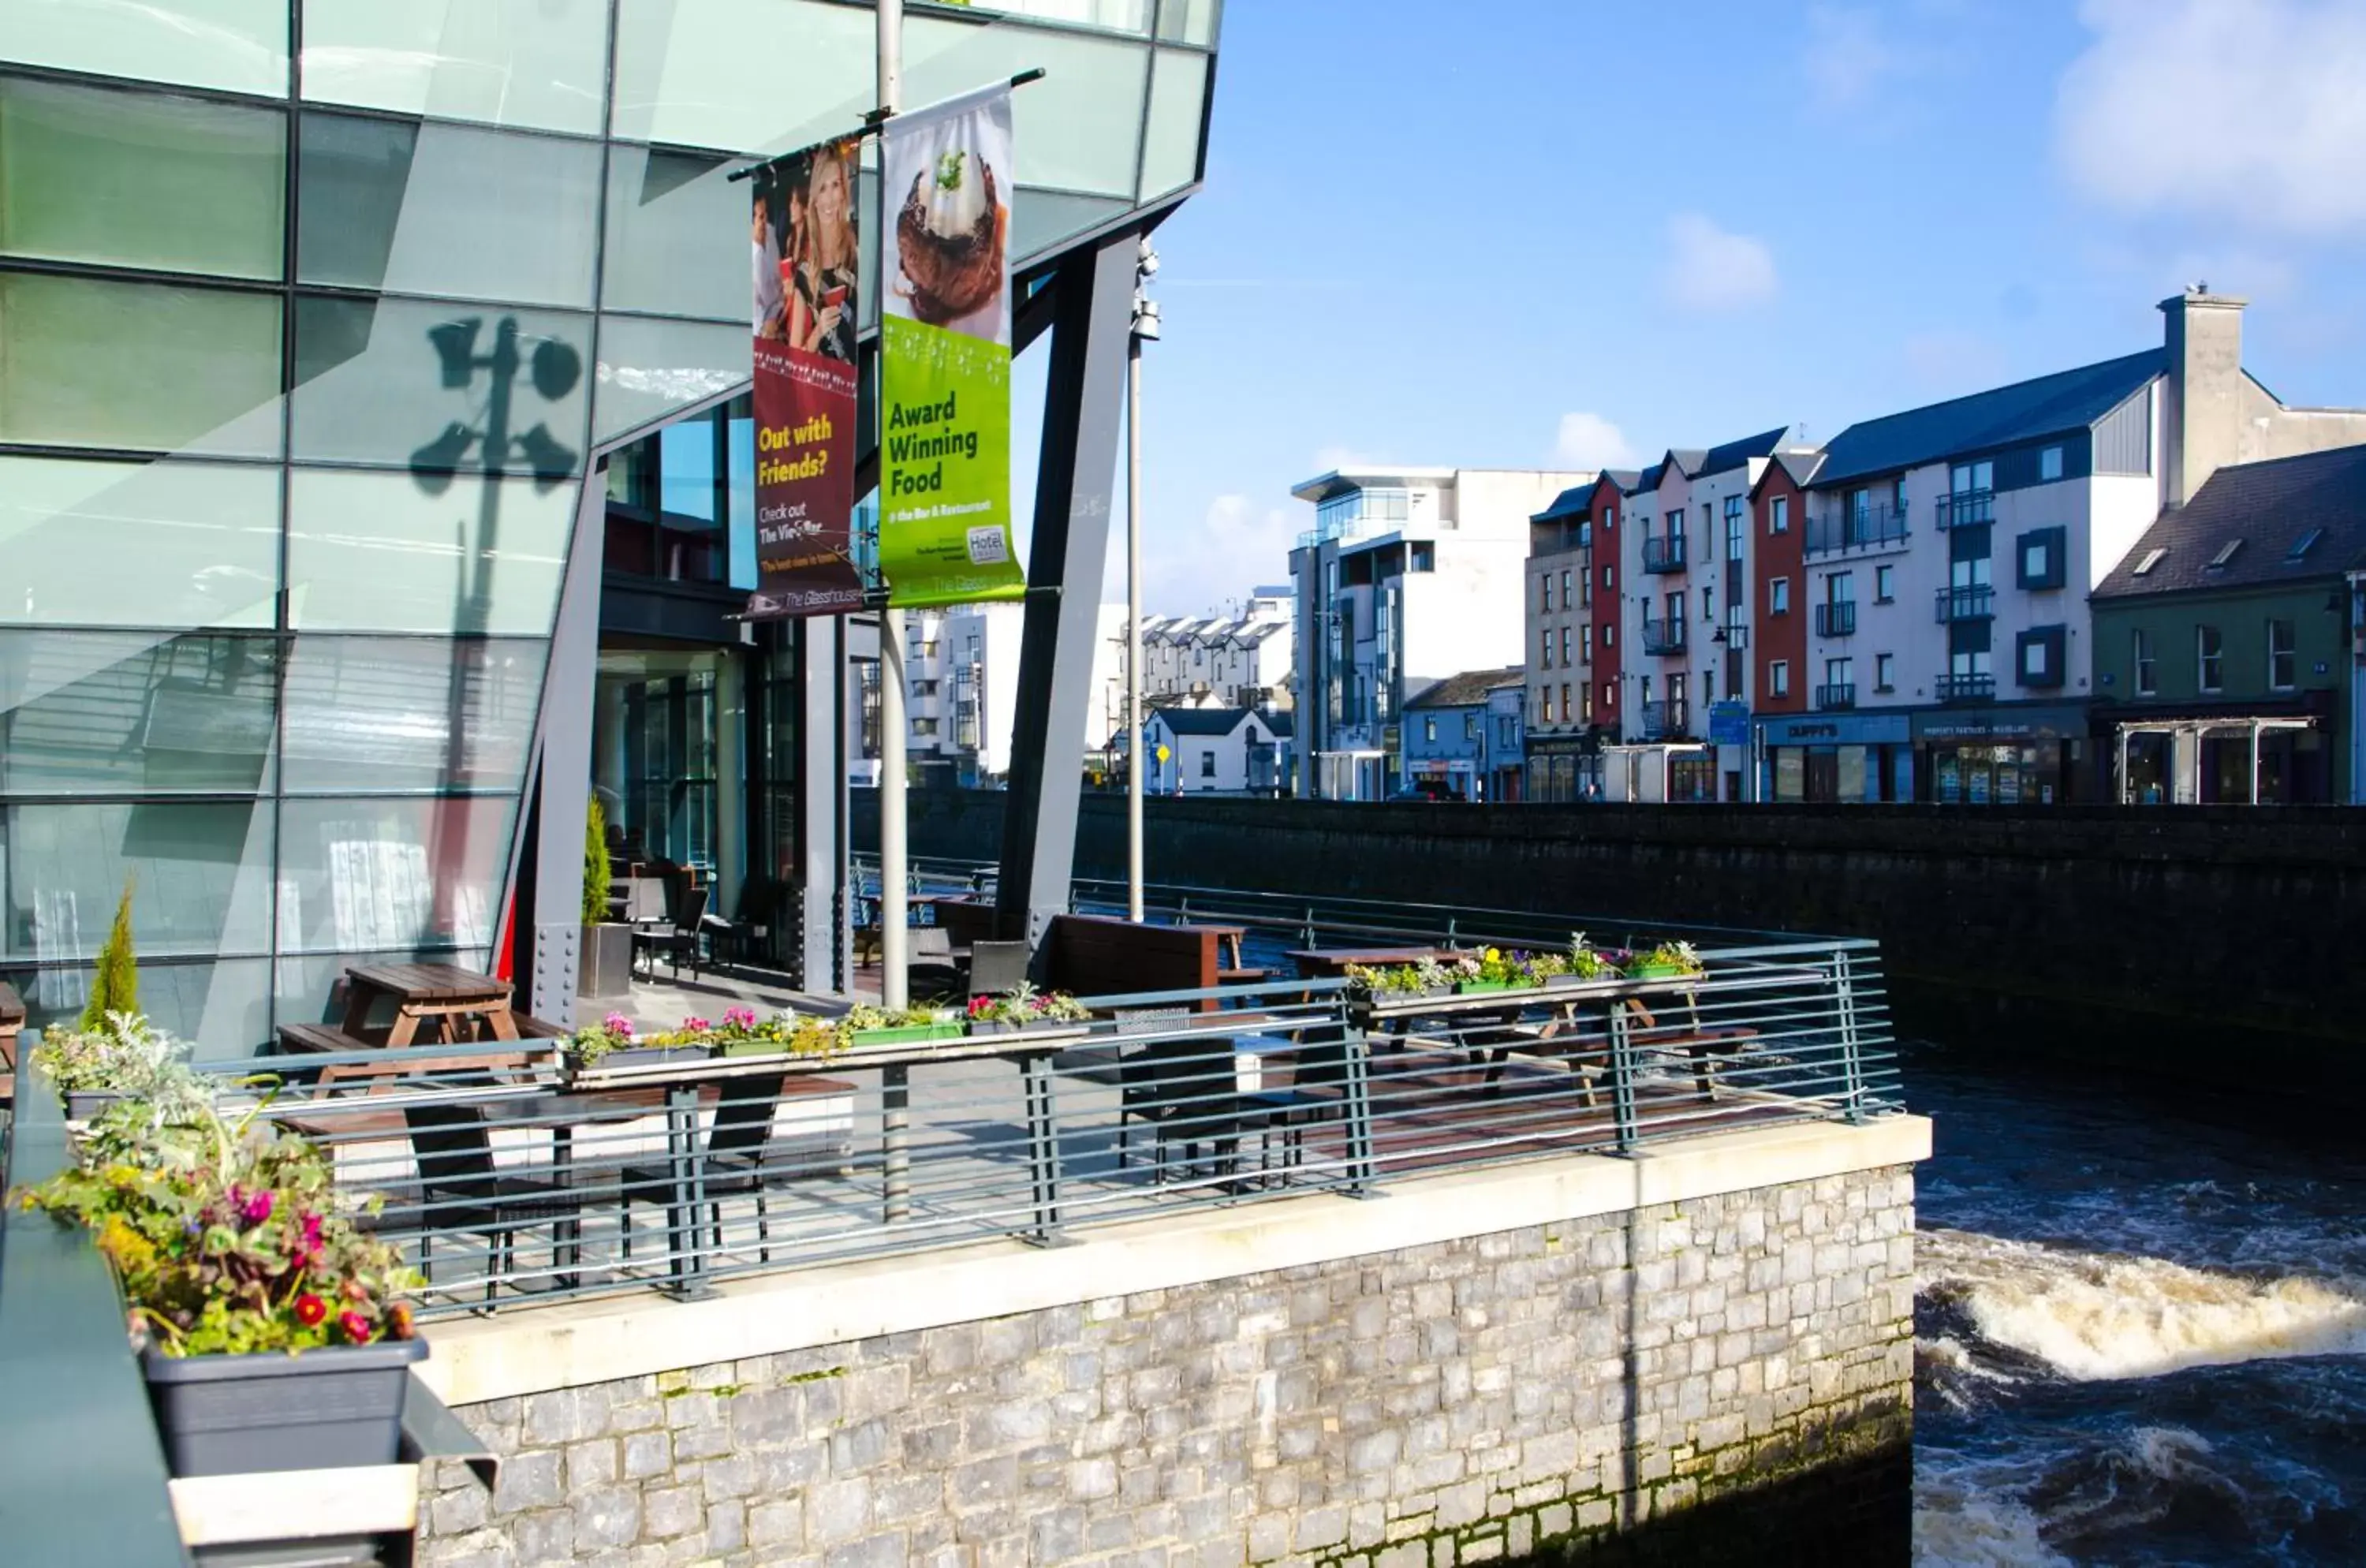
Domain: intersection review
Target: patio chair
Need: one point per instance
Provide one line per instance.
(1138, 1070)
(460, 1190)
(1189, 1096)
(740, 1159)
(997, 966)
(682, 936)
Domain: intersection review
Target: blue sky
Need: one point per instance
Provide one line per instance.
(1538, 234)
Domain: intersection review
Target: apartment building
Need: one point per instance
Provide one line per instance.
(1242, 658)
(1949, 551)
(1571, 697)
(1408, 576)
(961, 693)
(1461, 737)
(1687, 558)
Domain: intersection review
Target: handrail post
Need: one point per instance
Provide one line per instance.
(1622, 1078)
(895, 1140)
(1356, 1112)
(684, 1217)
(1042, 1150)
(1851, 1048)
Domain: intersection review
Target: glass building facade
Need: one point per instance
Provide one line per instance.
(316, 319)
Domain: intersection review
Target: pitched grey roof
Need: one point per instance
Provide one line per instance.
(1800, 464)
(1734, 454)
(1201, 721)
(2269, 507)
(2049, 405)
(1469, 689)
(1281, 721)
(1570, 502)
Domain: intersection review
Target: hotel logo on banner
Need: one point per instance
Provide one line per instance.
(807, 288)
(945, 471)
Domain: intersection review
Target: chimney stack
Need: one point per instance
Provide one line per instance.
(2204, 418)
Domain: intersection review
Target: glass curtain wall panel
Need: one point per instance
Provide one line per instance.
(88, 713)
(710, 73)
(1178, 97)
(382, 552)
(412, 715)
(237, 46)
(417, 875)
(537, 63)
(199, 873)
(162, 544)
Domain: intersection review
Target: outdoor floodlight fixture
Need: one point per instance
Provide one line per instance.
(557, 368)
(456, 346)
(433, 465)
(552, 460)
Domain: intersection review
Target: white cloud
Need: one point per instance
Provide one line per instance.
(1710, 269)
(1845, 57)
(1328, 458)
(1233, 548)
(1590, 441)
(2241, 108)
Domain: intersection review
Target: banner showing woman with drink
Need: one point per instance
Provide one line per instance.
(944, 406)
(808, 275)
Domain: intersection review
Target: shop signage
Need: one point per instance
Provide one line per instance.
(808, 284)
(944, 398)
(1728, 724)
(2000, 724)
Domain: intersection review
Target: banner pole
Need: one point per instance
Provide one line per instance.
(894, 931)
(1134, 626)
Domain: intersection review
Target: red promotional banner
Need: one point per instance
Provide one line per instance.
(807, 277)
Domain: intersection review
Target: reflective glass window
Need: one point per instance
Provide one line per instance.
(423, 873)
(378, 713)
(1078, 128)
(379, 552)
(199, 873)
(402, 381)
(149, 367)
(304, 985)
(523, 62)
(447, 209)
(744, 75)
(1041, 220)
(1124, 16)
(677, 234)
(1178, 93)
(132, 712)
(651, 369)
(1189, 21)
(128, 178)
(164, 544)
(240, 46)
(223, 1008)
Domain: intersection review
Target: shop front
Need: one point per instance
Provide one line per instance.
(1839, 758)
(2003, 756)
(1564, 768)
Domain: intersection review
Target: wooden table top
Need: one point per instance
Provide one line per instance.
(430, 983)
(1333, 960)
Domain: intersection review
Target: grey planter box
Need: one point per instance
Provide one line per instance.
(81, 1104)
(325, 1409)
(605, 968)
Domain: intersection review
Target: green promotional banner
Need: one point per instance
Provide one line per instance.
(944, 362)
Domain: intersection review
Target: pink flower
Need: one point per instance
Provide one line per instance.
(356, 1326)
(980, 1006)
(311, 1236)
(695, 1025)
(256, 1208)
(739, 1018)
(617, 1024)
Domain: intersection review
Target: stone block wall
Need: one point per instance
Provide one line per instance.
(1485, 1398)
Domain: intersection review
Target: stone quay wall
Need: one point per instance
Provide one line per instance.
(1483, 1397)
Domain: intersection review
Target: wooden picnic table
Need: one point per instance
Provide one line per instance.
(443, 998)
(1332, 963)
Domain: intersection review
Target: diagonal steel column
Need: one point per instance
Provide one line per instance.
(565, 763)
(1083, 404)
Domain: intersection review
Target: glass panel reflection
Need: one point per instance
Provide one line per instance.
(378, 713)
(1077, 130)
(141, 179)
(1042, 220)
(165, 544)
(147, 366)
(651, 369)
(236, 45)
(447, 209)
(223, 1008)
(304, 985)
(394, 380)
(199, 873)
(526, 62)
(120, 712)
(1178, 93)
(677, 234)
(376, 552)
(1189, 21)
(711, 72)
(391, 873)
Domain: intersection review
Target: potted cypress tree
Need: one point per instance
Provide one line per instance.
(607, 945)
(115, 983)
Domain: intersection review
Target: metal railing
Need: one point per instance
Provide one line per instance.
(1840, 694)
(1965, 507)
(1663, 636)
(507, 1180)
(1964, 688)
(1836, 618)
(1664, 720)
(1869, 529)
(1973, 603)
(1664, 552)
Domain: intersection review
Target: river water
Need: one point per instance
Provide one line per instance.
(2140, 1327)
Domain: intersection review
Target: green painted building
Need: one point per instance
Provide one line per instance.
(2226, 642)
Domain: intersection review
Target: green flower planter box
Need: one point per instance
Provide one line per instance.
(1661, 971)
(1482, 988)
(908, 1034)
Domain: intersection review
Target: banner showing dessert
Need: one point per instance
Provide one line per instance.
(809, 263)
(944, 393)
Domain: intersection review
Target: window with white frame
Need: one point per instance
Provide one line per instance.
(1778, 596)
(1429, 729)
(1544, 592)
(2141, 656)
(1778, 516)
(2049, 463)
(2209, 658)
(1778, 677)
(2282, 662)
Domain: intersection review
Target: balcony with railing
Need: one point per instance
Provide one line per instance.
(1665, 720)
(1966, 507)
(1966, 602)
(1663, 637)
(1836, 618)
(1873, 527)
(1664, 553)
(1838, 694)
(1964, 688)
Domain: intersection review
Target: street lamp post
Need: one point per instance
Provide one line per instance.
(1146, 327)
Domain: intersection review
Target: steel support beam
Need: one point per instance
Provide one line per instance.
(1084, 405)
(564, 771)
(820, 871)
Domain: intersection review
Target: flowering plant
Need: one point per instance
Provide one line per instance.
(125, 1054)
(1023, 1004)
(594, 1040)
(1680, 956)
(226, 1237)
(1587, 961)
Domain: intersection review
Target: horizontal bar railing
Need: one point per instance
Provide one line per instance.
(515, 1182)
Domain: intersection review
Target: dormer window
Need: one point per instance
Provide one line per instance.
(2152, 559)
(2225, 556)
(2302, 546)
